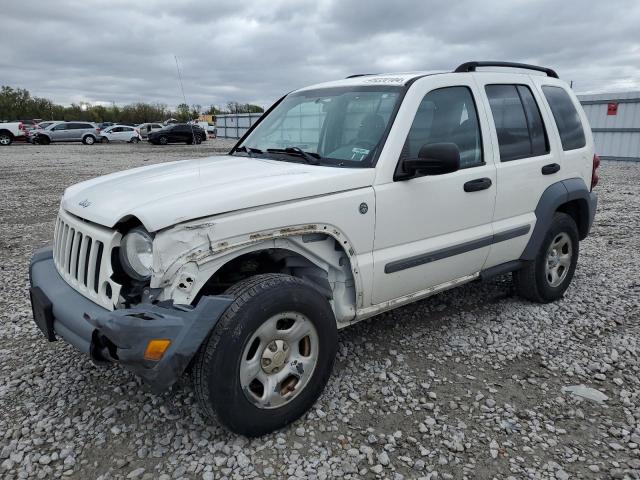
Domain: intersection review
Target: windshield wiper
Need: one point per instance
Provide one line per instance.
(309, 157)
(249, 150)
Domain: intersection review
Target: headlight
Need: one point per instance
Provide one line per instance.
(136, 253)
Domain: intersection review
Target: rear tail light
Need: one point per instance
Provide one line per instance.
(98, 129)
(20, 126)
(594, 171)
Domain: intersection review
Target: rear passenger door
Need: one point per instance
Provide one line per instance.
(527, 159)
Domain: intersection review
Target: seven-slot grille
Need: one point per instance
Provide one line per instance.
(81, 254)
(77, 255)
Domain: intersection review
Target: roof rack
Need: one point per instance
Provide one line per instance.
(471, 67)
(360, 75)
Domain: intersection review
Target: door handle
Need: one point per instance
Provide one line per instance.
(477, 184)
(551, 168)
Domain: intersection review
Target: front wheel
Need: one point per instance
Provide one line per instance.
(269, 357)
(546, 278)
(135, 140)
(163, 140)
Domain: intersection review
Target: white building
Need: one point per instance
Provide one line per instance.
(615, 122)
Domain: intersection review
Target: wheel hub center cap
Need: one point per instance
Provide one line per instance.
(275, 356)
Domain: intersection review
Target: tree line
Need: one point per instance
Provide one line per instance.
(19, 104)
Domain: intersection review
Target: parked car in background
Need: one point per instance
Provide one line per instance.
(178, 133)
(120, 133)
(147, 128)
(11, 131)
(28, 124)
(104, 125)
(85, 132)
(31, 134)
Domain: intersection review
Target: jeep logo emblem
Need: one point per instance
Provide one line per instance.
(85, 203)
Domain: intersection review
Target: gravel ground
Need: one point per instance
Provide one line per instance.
(467, 384)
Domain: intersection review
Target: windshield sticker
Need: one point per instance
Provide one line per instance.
(359, 152)
(385, 80)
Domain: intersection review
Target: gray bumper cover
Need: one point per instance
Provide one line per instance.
(122, 335)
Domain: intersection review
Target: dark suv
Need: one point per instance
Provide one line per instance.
(178, 133)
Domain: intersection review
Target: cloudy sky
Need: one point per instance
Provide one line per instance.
(123, 51)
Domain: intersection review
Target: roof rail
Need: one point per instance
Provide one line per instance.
(471, 67)
(360, 75)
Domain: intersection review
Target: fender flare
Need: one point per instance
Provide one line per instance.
(552, 198)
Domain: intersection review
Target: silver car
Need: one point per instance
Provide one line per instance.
(85, 132)
(146, 128)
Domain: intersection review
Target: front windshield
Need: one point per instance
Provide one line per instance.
(337, 126)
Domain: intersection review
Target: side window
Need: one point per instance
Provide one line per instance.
(566, 117)
(447, 115)
(61, 126)
(518, 122)
(537, 132)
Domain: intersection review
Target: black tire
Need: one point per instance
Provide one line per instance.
(198, 140)
(42, 140)
(89, 140)
(104, 140)
(163, 140)
(532, 281)
(135, 140)
(216, 370)
(6, 138)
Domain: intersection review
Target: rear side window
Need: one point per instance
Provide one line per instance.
(518, 122)
(566, 117)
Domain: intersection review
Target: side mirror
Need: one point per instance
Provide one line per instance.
(434, 159)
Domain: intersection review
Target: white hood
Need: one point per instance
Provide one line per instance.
(164, 194)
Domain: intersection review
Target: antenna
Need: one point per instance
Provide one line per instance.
(184, 98)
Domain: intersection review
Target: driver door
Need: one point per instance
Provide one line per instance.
(435, 229)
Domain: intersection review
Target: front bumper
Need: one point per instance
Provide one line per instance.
(122, 335)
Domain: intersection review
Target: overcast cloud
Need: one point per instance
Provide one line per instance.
(123, 51)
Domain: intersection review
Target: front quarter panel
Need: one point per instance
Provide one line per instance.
(187, 255)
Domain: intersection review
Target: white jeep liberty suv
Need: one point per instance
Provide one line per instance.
(347, 199)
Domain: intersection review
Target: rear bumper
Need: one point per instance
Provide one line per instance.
(122, 335)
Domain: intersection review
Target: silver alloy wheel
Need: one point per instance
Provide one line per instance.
(5, 139)
(89, 140)
(558, 259)
(279, 360)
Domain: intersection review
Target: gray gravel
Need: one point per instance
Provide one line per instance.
(471, 383)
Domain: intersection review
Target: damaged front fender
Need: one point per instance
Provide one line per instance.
(123, 335)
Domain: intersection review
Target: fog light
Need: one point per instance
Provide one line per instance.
(156, 348)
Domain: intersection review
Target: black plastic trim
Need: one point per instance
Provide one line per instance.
(465, 247)
(471, 67)
(501, 269)
(552, 198)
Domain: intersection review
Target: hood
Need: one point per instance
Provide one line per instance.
(164, 194)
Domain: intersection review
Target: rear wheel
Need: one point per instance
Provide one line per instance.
(546, 278)
(6, 138)
(269, 357)
(89, 140)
